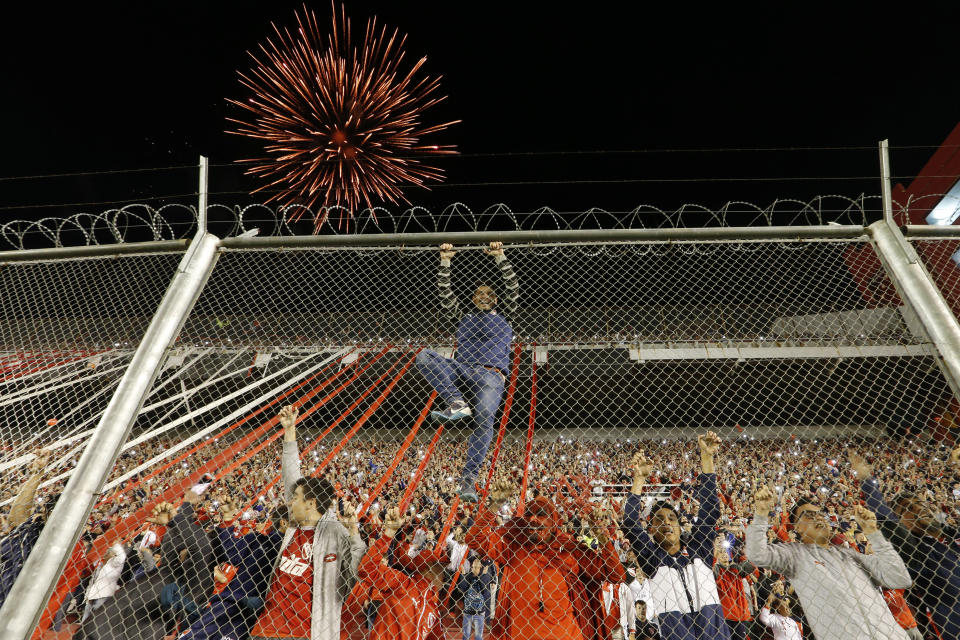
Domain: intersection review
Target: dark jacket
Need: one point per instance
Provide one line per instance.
(476, 592)
(934, 563)
(683, 592)
(253, 555)
(233, 612)
(14, 549)
(149, 608)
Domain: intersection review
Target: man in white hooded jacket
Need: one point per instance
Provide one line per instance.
(105, 579)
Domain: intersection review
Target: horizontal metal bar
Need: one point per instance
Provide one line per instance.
(571, 235)
(93, 251)
(932, 231)
(782, 353)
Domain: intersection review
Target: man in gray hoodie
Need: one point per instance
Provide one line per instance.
(836, 586)
(319, 555)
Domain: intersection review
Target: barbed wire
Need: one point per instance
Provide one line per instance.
(144, 222)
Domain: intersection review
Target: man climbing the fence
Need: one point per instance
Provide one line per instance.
(472, 383)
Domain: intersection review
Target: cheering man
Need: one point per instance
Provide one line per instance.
(478, 372)
(835, 584)
(317, 564)
(929, 548)
(683, 592)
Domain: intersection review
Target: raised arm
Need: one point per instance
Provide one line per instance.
(885, 565)
(511, 287)
(290, 460)
(603, 564)
(887, 520)
(182, 527)
(706, 493)
(779, 558)
(22, 507)
(485, 535)
(632, 509)
(870, 488)
(448, 302)
(355, 549)
(374, 567)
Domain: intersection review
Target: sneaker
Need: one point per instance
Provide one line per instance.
(468, 490)
(455, 411)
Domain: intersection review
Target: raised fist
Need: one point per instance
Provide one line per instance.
(40, 459)
(348, 517)
(763, 501)
(778, 588)
(501, 491)
(642, 467)
(392, 521)
(288, 417)
(600, 525)
(709, 443)
(162, 514)
(446, 251)
(865, 518)
(859, 465)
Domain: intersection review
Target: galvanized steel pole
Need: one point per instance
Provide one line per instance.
(707, 234)
(887, 197)
(923, 297)
(203, 191)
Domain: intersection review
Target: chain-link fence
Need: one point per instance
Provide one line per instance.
(586, 444)
(68, 330)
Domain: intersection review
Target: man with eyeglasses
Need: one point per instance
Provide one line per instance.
(928, 547)
(836, 585)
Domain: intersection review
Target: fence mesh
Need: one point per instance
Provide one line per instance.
(632, 402)
(68, 329)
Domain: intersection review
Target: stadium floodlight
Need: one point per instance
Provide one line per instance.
(947, 210)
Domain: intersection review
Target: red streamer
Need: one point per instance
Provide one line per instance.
(526, 461)
(363, 418)
(388, 473)
(418, 474)
(197, 447)
(507, 406)
(330, 428)
(129, 525)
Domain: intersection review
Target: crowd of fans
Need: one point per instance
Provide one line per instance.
(597, 511)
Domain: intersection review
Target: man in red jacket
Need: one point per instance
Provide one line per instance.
(734, 594)
(551, 583)
(409, 610)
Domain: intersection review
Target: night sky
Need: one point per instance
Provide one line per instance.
(97, 86)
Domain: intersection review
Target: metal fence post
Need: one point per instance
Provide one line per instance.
(28, 597)
(203, 194)
(887, 197)
(922, 296)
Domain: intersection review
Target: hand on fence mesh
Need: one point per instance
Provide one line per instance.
(581, 441)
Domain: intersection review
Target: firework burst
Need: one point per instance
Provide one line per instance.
(340, 121)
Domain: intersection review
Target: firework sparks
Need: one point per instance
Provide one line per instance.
(341, 121)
